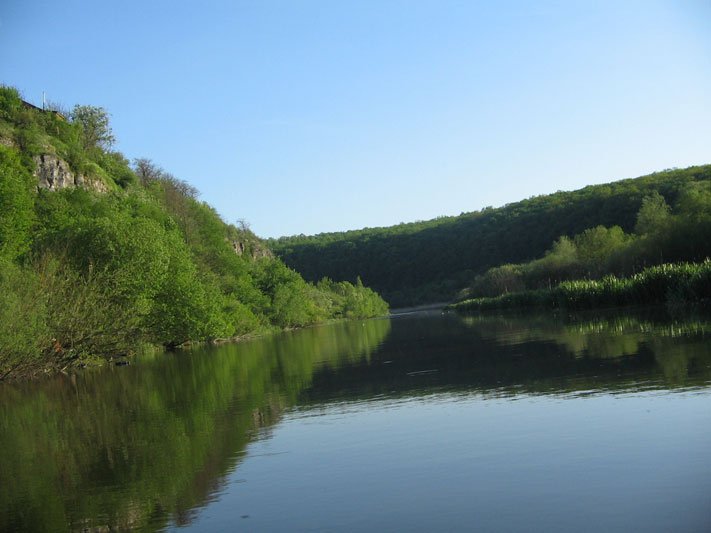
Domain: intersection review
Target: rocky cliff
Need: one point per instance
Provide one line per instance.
(252, 246)
(54, 173)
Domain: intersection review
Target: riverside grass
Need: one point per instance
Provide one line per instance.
(674, 284)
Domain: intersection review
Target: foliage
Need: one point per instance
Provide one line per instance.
(84, 318)
(653, 215)
(351, 301)
(90, 276)
(595, 246)
(52, 317)
(16, 204)
(680, 235)
(95, 127)
(432, 260)
(674, 284)
(23, 317)
(10, 103)
(117, 166)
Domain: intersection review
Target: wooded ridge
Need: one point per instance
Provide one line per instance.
(434, 260)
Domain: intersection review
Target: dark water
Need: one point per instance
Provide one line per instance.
(422, 422)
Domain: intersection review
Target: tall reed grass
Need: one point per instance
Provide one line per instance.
(675, 284)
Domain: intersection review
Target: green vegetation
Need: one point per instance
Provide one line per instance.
(662, 235)
(675, 284)
(130, 258)
(669, 212)
(604, 267)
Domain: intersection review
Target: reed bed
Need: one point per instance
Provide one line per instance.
(675, 284)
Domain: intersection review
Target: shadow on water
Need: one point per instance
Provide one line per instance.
(149, 445)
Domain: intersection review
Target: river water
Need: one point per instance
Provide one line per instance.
(418, 422)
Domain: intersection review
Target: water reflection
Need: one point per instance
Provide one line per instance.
(135, 447)
(509, 355)
(149, 445)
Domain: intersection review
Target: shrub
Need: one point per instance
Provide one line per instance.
(23, 318)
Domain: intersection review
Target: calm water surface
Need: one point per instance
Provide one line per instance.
(421, 422)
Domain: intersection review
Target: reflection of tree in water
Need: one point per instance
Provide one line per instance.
(678, 347)
(139, 446)
(150, 444)
(511, 355)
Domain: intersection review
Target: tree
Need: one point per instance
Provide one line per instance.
(558, 264)
(146, 170)
(596, 245)
(95, 128)
(695, 202)
(653, 215)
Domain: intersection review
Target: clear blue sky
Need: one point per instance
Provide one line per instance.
(314, 116)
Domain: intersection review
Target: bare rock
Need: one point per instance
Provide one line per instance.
(54, 174)
(238, 247)
(7, 142)
(255, 249)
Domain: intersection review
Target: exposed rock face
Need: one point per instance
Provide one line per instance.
(54, 174)
(255, 250)
(94, 184)
(260, 252)
(6, 142)
(238, 247)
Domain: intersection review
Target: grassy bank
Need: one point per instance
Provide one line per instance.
(674, 284)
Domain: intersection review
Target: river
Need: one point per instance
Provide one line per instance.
(418, 422)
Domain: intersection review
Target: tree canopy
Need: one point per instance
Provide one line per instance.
(431, 261)
(95, 127)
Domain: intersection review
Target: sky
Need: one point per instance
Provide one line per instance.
(317, 116)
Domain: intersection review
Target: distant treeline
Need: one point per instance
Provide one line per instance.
(604, 267)
(86, 274)
(661, 234)
(432, 261)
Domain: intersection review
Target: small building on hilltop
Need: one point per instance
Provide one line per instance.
(57, 114)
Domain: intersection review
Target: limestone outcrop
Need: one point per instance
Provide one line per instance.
(54, 174)
(254, 248)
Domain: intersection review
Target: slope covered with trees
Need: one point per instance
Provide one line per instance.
(105, 256)
(432, 261)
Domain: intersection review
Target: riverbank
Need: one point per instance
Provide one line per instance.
(38, 369)
(671, 284)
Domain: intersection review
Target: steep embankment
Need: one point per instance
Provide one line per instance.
(98, 256)
(430, 261)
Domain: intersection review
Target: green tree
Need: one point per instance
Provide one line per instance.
(292, 306)
(653, 216)
(695, 201)
(95, 126)
(596, 245)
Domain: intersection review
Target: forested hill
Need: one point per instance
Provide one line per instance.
(99, 256)
(430, 261)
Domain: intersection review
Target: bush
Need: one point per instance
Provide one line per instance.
(24, 332)
(16, 204)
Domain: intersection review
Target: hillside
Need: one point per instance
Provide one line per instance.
(431, 261)
(99, 256)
